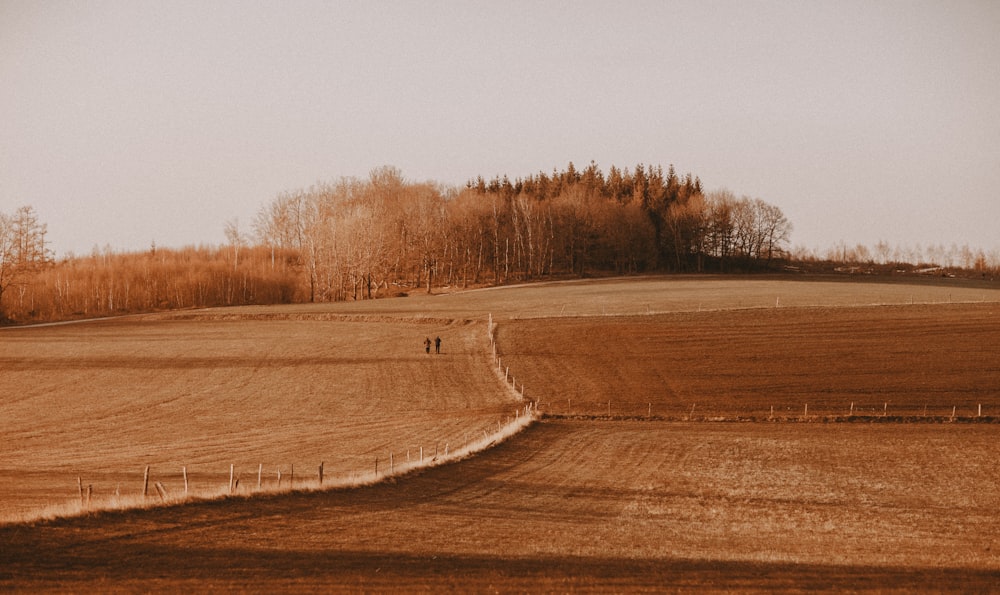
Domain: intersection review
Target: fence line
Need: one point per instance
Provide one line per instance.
(598, 409)
(88, 502)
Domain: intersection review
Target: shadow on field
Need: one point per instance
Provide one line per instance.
(467, 526)
(150, 567)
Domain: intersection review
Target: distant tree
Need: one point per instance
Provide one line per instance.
(721, 226)
(469, 217)
(236, 240)
(615, 187)
(745, 229)
(862, 254)
(775, 230)
(685, 223)
(883, 251)
(23, 252)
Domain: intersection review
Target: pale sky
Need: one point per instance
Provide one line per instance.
(128, 122)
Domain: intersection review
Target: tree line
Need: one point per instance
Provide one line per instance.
(884, 254)
(360, 239)
(106, 282)
(363, 238)
(382, 235)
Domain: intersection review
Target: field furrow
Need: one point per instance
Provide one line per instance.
(598, 503)
(895, 360)
(102, 400)
(782, 502)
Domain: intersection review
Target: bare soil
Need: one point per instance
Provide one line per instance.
(913, 361)
(569, 505)
(580, 506)
(101, 401)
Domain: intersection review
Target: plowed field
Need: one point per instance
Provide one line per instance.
(923, 360)
(101, 401)
(591, 503)
(582, 506)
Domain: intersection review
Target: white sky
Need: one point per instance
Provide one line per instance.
(128, 122)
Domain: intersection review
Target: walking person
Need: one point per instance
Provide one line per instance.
(437, 345)
(427, 345)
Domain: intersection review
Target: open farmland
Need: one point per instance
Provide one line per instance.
(581, 506)
(569, 504)
(102, 400)
(914, 361)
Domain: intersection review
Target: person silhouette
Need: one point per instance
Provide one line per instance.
(427, 345)
(437, 345)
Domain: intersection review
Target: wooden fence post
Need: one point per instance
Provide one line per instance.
(231, 471)
(184, 470)
(260, 472)
(145, 482)
(79, 486)
(321, 474)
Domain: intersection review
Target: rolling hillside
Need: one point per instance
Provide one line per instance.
(580, 506)
(567, 505)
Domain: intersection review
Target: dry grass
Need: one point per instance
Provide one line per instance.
(392, 469)
(101, 401)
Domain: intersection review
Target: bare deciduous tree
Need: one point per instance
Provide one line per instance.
(23, 251)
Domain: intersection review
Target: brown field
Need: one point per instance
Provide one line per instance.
(922, 360)
(102, 400)
(567, 505)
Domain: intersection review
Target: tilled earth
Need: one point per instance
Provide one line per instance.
(579, 506)
(584, 504)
